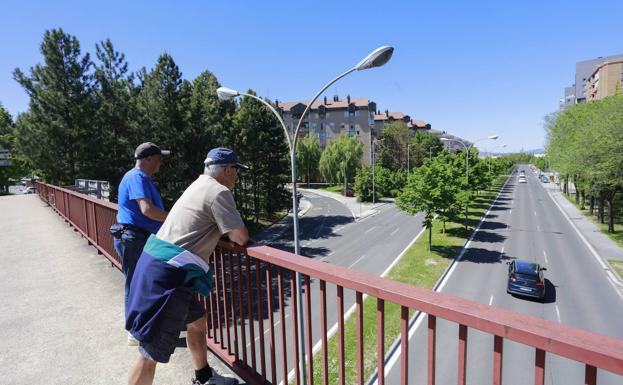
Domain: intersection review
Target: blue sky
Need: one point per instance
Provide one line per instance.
(470, 68)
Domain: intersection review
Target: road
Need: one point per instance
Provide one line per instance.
(328, 232)
(523, 223)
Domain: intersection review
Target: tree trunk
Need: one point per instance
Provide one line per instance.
(430, 237)
(591, 207)
(582, 200)
(611, 213)
(600, 208)
(577, 194)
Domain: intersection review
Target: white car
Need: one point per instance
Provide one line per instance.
(522, 179)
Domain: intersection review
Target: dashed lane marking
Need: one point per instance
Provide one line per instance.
(394, 232)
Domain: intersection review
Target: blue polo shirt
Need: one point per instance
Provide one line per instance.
(136, 184)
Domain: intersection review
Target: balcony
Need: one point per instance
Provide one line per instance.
(254, 321)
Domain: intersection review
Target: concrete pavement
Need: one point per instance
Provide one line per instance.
(62, 306)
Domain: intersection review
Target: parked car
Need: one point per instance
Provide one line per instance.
(526, 278)
(544, 179)
(30, 190)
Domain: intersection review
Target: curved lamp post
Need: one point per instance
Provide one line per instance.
(376, 58)
(489, 155)
(467, 149)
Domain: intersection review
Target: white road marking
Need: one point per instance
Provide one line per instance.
(420, 316)
(557, 313)
(370, 229)
(545, 256)
(510, 212)
(266, 331)
(354, 263)
(395, 231)
(538, 228)
(490, 300)
(502, 251)
(535, 213)
(331, 253)
(611, 277)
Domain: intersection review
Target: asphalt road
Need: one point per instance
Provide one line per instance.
(524, 223)
(328, 232)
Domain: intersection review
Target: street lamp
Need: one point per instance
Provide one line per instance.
(489, 155)
(376, 58)
(467, 149)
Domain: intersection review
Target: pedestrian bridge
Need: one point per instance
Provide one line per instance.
(253, 324)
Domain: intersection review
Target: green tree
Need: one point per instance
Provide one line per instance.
(259, 140)
(162, 106)
(340, 160)
(308, 153)
(54, 134)
(114, 125)
(393, 147)
(423, 147)
(19, 167)
(363, 184)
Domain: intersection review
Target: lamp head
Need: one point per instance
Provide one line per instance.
(225, 93)
(377, 58)
(493, 137)
(444, 139)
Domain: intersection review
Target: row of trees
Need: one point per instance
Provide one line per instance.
(585, 145)
(440, 187)
(86, 116)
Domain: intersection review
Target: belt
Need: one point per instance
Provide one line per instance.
(136, 229)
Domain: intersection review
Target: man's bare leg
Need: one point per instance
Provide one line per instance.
(196, 341)
(143, 372)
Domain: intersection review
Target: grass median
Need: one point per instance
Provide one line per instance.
(419, 267)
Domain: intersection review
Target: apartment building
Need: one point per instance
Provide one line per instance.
(605, 80)
(328, 119)
(577, 93)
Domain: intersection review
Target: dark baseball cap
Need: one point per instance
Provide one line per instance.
(148, 149)
(223, 156)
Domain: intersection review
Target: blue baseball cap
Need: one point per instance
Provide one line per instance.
(223, 156)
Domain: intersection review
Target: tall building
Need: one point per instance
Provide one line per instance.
(605, 80)
(577, 93)
(328, 119)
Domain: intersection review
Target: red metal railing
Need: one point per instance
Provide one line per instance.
(252, 285)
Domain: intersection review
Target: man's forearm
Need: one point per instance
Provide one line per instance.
(155, 213)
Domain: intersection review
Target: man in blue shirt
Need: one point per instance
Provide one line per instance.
(140, 211)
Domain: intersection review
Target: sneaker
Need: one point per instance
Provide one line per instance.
(217, 379)
(132, 341)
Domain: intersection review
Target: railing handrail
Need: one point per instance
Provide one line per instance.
(578, 344)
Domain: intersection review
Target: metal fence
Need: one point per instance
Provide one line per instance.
(252, 309)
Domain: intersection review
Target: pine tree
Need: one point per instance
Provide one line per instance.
(54, 133)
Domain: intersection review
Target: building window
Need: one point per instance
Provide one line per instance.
(346, 114)
(332, 125)
(353, 133)
(357, 113)
(327, 115)
(313, 125)
(342, 126)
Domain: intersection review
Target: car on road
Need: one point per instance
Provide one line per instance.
(526, 278)
(544, 179)
(522, 179)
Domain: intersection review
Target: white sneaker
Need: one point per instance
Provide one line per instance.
(132, 341)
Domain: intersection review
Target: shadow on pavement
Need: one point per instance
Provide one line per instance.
(480, 255)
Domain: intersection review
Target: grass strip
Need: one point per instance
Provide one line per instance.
(419, 267)
(617, 266)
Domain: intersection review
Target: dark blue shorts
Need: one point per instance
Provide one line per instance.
(182, 309)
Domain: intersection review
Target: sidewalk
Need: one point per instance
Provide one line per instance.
(62, 306)
(603, 246)
(359, 210)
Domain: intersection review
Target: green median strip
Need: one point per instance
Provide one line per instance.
(419, 267)
(617, 266)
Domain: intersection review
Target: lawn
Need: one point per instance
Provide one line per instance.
(337, 188)
(617, 266)
(419, 267)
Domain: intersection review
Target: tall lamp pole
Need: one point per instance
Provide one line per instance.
(377, 58)
(467, 149)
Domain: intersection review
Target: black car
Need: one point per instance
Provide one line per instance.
(526, 278)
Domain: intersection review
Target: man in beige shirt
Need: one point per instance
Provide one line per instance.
(205, 212)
